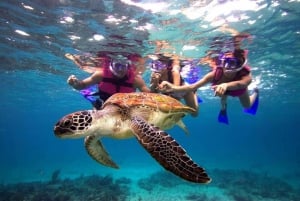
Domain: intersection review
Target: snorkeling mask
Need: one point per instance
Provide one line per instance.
(119, 67)
(158, 66)
(230, 64)
(190, 71)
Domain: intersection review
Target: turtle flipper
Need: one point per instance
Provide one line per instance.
(167, 151)
(96, 150)
(183, 127)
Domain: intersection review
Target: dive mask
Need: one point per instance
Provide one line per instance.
(230, 64)
(158, 66)
(119, 68)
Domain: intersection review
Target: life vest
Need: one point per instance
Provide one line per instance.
(111, 84)
(219, 74)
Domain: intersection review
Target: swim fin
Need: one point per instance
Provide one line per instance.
(91, 94)
(252, 110)
(222, 118)
(199, 99)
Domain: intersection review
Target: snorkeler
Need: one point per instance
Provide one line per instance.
(231, 78)
(118, 77)
(168, 69)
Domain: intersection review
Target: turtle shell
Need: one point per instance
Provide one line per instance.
(154, 100)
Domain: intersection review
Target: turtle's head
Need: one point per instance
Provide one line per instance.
(74, 125)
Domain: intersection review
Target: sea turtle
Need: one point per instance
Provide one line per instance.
(143, 115)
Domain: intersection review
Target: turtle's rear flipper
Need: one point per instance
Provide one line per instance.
(167, 151)
(96, 150)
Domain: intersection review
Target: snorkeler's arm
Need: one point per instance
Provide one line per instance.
(243, 83)
(140, 84)
(238, 38)
(176, 71)
(176, 77)
(79, 63)
(88, 69)
(204, 80)
(74, 58)
(82, 84)
(168, 87)
(226, 28)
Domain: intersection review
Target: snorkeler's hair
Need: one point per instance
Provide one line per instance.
(239, 54)
(134, 56)
(103, 54)
(216, 59)
(165, 59)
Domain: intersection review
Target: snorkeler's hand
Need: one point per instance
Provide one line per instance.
(154, 82)
(70, 56)
(166, 87)
(155, 77)
(220, 89)
(73, 81)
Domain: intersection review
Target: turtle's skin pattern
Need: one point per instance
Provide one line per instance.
(154, 101)
(140, 115)
(168, 152)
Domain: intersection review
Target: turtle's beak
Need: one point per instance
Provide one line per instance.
(60, 131)
(64, 127)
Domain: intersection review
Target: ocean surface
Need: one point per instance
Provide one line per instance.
(254, 158)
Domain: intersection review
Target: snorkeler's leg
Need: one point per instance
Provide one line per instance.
(254, 102)
(254, 96)
(222, 117)
(245, 100)
(191, 100)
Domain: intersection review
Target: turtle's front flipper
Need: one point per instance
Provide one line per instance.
(167, 151)
(96, 150)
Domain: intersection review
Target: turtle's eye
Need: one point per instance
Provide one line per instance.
(67, 123)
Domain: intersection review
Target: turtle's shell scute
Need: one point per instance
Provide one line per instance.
(155, 100)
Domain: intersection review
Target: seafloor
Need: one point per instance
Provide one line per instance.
(228, 185)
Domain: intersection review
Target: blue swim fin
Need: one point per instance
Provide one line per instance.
(222, 118)
(252, 110)
(91, 94)
(199, 99)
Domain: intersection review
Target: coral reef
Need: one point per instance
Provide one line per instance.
(55, 177)
(237, 185)
(93, 187)
(229, 185)
(244, 185)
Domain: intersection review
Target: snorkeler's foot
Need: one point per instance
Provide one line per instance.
(69, 56)
(252, 110)
(223, 118)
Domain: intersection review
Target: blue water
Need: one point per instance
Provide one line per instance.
(35, 35)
